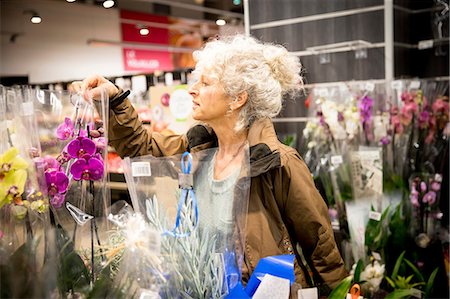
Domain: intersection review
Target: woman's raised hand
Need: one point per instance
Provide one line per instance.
(92, 86)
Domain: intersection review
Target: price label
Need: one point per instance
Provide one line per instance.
(375, 215)
(322, 92)
(369, 86)
(397, 84)
(425, 44)
(336, 160)
(414, 84)
(139, 169)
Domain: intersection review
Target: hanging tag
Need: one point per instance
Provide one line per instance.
(185, 180)
(375, 215)
(336, 160)
(425, 44)
(322, 92)
(139, 169)
(308, 293)
(397, 84)
(369, 86)
(78, 215)
(414, 84)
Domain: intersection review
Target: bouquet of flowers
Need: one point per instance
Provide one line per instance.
(200, 223)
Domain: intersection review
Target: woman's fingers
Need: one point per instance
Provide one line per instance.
(92, 87)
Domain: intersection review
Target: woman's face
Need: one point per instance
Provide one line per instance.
(210, 103)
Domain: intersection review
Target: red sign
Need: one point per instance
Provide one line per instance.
(146, 60)
(142, 59)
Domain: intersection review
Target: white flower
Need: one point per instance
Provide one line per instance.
(312, 144)
(373, 275)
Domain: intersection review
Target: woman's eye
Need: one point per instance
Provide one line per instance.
(204, 83)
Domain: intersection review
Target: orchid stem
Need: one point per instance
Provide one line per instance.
(92, 232)
(9, 138)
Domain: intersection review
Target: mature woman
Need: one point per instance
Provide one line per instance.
(240, 87)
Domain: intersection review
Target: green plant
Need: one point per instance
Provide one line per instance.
(377, 232)
(342, 289)
(407, 286)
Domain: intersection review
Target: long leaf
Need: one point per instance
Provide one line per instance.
(430, 282)
(358, 269)
(342, 289)
(402, 293)
(391, 282)
(397, 265)
(415, 270)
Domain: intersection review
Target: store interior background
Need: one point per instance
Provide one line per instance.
(348, 41)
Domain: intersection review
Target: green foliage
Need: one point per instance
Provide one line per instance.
(392, 181)
(404, 293)
(430, 282)
(358, 270)
(341, 290)
(398, 226)
(18, 275)
(411, 285)
(73, 276)
(377, 232)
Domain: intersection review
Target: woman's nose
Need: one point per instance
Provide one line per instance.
(193, 90)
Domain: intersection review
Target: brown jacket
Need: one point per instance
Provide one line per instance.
(285, 207)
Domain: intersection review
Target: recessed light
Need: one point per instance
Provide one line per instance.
(220, 22)
(36, 19)
(108, 3)
(144, 31)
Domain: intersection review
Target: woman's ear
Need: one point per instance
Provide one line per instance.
(239, 101)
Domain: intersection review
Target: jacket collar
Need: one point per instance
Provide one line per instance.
(262, 139)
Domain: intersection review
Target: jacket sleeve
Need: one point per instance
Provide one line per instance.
(129, 137)
(306, 216)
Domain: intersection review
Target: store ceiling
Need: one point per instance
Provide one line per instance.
(198, 9)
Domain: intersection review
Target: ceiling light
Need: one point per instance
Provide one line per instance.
(144, 31)
(108, 3)
(220, 22)
(35, 18)
(71, 0)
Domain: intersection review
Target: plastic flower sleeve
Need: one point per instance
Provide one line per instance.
(73, 141)
(201, 220)
(19, 190)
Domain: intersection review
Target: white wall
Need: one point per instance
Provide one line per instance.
(56, 49)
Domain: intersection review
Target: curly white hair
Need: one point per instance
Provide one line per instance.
(267, 72)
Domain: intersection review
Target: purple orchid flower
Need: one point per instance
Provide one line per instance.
(87, 168)
(57, 184)
(423, 186)
(80, 147)
(65, 130)
(385, 140)
(435, 186)
(414, 197)
(429, 197)
(57, 200)
(365, 109)
(100, 144)
(51, 163)
(424, 119)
